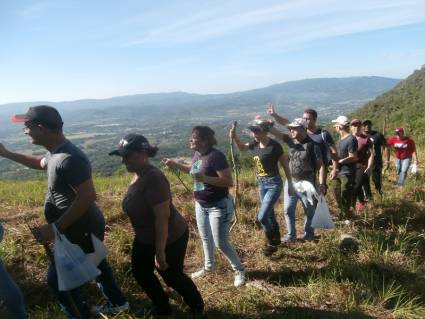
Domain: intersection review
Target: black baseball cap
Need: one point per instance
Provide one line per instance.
(367, 122)
(44, 115)
(131, 143)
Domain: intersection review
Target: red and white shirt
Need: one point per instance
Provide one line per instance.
(404, 148)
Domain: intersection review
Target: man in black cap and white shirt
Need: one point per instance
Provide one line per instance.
(69, 202)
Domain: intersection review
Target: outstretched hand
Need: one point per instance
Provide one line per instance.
(167, 162)
(270, 110)
(3, 150)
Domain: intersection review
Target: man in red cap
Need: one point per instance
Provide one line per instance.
(69, 202)
(405, 153)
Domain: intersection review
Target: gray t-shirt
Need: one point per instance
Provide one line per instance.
(344, 147)
(324, 140)
(302, 159)
(67, 168)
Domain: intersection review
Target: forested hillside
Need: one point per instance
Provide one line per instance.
(403, 106)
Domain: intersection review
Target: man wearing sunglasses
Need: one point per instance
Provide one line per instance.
(69, 202)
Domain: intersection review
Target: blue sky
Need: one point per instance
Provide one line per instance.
(73, 49)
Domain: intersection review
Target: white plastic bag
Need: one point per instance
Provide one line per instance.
(72, 265)
(322, 217)
(100, 251)
(414, 169)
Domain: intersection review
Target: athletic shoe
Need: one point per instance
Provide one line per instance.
(240, 278)
(269, 250)
(109, 308)
(287, 239)
(200, 273)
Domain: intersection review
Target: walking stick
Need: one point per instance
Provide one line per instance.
(181, 181)
(235, 171)
(67, 294)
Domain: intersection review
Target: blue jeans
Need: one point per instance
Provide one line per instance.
(11, 295)
(213, 222)
(269, 190)
(402, 166)
(290, 204)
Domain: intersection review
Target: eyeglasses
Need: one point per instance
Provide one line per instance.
(308, 119)
(28, 126)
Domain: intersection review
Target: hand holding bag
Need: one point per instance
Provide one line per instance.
(73, 267)
(322, 217)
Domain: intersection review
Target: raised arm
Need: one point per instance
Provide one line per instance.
(272, 112)
(234, 137)
(35, 162)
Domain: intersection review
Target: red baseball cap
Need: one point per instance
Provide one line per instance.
(399, 129)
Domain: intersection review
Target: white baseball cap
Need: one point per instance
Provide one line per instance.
(341, 120)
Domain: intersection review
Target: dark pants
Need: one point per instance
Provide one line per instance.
(377, 181)
(342, 187)
(105, 280)
(143, 265)
(360, 179)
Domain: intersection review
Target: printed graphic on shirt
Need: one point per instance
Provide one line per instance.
(259, 166)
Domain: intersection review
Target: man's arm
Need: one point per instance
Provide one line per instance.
(85, 195)
(35, 162)
(352, 157)
(334, 159)
(272, 112)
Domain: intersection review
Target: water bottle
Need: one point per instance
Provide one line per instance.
(196, 168)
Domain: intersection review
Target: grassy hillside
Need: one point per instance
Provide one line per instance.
(385, 279)
(403, 106)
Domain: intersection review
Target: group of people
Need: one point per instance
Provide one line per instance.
(161, 232)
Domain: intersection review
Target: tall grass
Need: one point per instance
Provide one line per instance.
(384, 279)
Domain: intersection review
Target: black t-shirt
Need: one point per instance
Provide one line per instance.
(67, 168)
(266, 159)
(344, 147)
(324, 140)
(378, 141)
(302, 159)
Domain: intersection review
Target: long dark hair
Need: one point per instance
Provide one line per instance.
(206, 134)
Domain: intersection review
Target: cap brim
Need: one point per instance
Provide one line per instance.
(19, 118)
(119, 152)
(253, 128)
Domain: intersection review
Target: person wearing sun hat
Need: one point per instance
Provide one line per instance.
(405, 153)
(347, 146)
(305, 160)
(69, 203)
(161, 232)
(267, 155)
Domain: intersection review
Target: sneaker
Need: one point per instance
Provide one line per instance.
(240, 278)
(308, 237)
(287, 239)
(200, 273)
(109, 308)
(269, 250)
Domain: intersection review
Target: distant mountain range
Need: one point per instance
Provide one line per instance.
(320, 92)
(403, 106)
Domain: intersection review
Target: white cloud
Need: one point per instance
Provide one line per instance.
(302, 20)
